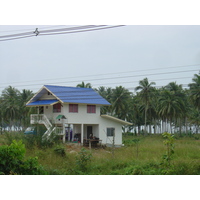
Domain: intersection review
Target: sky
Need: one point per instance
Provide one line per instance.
(110, 57)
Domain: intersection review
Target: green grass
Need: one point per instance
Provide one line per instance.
(125, 161)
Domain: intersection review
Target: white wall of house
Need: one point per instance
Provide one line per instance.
(106, 123)
(98, 123)
(82, 117)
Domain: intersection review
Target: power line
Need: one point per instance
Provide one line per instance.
(29, 29)
(57, 31)
(119, 83)
(130, 76)
(152, 69)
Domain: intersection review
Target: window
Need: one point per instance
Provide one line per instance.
(57, 108)
(110, 132)
(73, 108)
(91, 108)
(41, 110)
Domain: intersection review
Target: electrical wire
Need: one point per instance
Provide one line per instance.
(56, 31)
(122, 77)
(79, 31)
(103, 75)
(43, 27)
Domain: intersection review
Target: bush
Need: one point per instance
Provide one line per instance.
(12, 160)
(60, 150)
(83, 159)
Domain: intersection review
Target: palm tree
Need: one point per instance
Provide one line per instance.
(195, 91)
(146, 92)
(174, 87)
(25, 112)
(134, 113)
(178, 91)
(106, 93)
(120, 102)
(83, 85)
(10, 105)
(170, 106)
(194, 118)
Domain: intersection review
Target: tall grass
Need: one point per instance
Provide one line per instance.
(144, 159)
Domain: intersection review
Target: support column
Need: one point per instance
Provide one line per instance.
(63, 132)
(81, 133)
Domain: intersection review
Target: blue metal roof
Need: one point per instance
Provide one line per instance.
(77, 95)
(42, 102)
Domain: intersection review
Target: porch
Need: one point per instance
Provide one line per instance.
(86, 134)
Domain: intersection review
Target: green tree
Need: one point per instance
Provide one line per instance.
(120, 101)
(106, 93)
(195, 91)
(146, 90)
(24, 111)
(194, 118)
(135, 114)
(84, 85)
(10, 105)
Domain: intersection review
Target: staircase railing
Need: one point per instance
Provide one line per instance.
(42, 119)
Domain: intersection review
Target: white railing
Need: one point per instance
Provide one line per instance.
(58, 130)
(40, 119)
(47, 123)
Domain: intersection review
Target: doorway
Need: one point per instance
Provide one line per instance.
(89, 131)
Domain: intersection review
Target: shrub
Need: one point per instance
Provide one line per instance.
(83, 159)
(60, 150)
(169, 142)
(12, 160)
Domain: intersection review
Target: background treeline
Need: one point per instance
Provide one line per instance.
(151, 110)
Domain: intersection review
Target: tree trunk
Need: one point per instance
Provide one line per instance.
(139, 129)
(145, 122)
(154, 126)
(180, 127)
(186, 126)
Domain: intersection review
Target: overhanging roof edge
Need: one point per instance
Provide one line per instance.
(117, 119)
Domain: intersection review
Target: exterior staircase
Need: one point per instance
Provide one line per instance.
(42, 119)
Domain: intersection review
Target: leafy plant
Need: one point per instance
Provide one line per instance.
(12, 160)
(169, 142)
(60, 150)
(83, 159)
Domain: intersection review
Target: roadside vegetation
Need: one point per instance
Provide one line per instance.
(150, 155)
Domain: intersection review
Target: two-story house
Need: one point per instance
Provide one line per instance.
(62, 109)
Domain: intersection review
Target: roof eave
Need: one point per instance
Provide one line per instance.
(117, 120)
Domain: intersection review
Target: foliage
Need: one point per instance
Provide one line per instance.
(14, 113)
(170, 104)
(32, 140)
(169, 142)
(195, 91)
(12, 160)
(83, 85)
(83, 159)
(60, 150)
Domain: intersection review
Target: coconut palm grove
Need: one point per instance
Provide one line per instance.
(163, 138)
(152, 110)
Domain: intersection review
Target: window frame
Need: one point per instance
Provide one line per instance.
(73, 108)
(91, 109)
(57, 108)
(110, 131)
